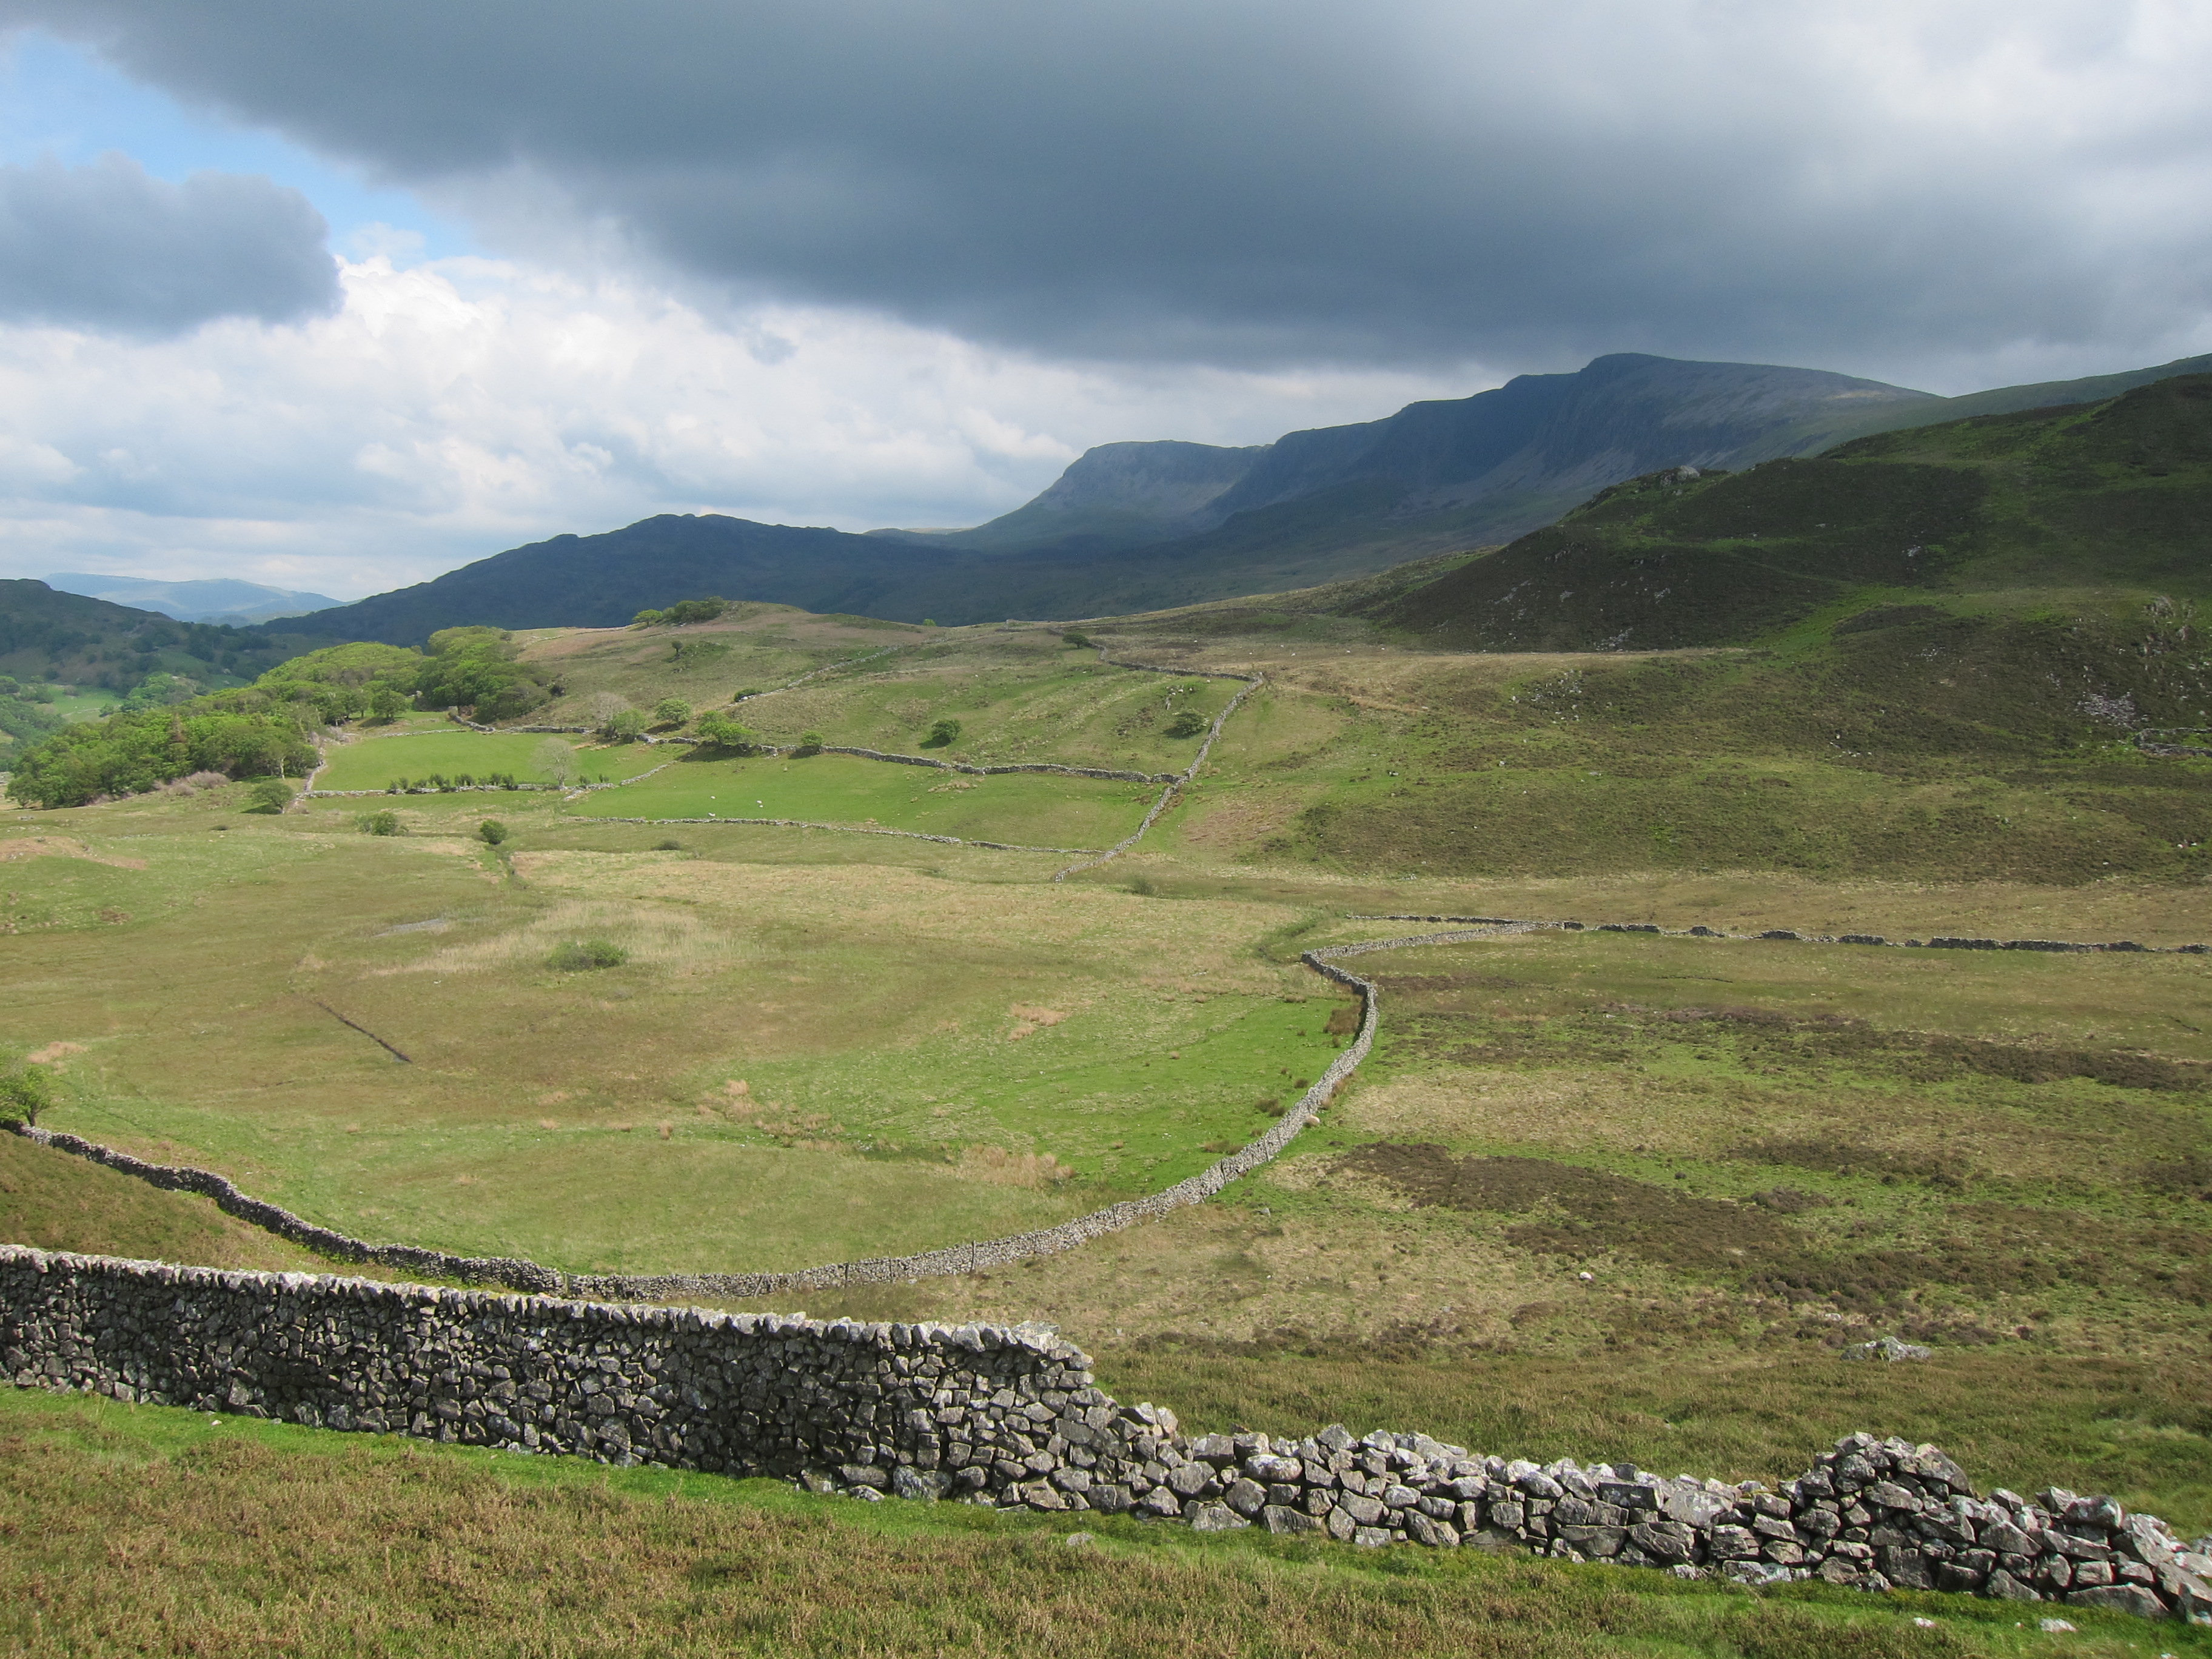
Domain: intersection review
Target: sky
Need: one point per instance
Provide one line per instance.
(339, 297)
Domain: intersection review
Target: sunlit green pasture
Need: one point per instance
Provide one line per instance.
(379, 762)
(1024, 808)
(924, 1060)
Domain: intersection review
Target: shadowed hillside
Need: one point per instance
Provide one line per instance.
(2108, 497)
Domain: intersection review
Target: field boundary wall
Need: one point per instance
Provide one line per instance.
(1013, 1419)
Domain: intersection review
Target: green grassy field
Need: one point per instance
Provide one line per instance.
(297, 1541)
(378, 762)
(825, 1045)
(1025, 808)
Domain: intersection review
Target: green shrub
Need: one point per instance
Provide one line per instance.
(492, 832)
(721, 731)
(379, 824)
(269, 795)
(668, 846)
(645, 619)
(942, 734)
(1079, 640)
(25, 1091)
(1188, 724)
(579, 954)
(810, 743)
(671, 711)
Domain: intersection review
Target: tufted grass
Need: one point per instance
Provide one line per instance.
(150, 1531)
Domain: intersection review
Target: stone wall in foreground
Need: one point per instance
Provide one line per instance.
(1014, 1419)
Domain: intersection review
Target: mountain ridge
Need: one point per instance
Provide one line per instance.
(1139, 526)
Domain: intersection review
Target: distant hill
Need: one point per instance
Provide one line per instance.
(50, 637)
(2089, 504)
(1138, 526)
(219, 601)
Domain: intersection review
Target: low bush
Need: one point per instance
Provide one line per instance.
(379, 824)
(942, 735)
(492, 832)
(577, 955)
(1188, 724)
(269, 795)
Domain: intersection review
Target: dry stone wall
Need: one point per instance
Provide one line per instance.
(1014, 1419)
(953, 1260)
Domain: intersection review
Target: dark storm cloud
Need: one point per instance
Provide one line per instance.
(1282, 181)
(108, 248)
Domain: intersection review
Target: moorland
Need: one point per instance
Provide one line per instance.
(1599, 1193)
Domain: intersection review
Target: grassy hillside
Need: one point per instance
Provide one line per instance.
(821, 1046)
(2007, 512)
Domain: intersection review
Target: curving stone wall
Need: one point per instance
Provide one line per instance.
(953, 1260)
(1014, 1419)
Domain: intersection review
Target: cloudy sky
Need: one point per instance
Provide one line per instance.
(338, 296)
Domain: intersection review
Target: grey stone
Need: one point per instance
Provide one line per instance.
(1374, 1538)
(2119, 1598)
(2006, 1588)
(1280, 1519)
(1363, 1510)
(1437, 1534)
(1216, 1517)
(926, 1485)
(1247, 1498)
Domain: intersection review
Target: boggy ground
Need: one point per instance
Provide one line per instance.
(1758, 1151)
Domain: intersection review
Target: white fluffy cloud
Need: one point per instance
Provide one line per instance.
(456, 408)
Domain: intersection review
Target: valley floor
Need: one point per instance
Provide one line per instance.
(1598, 1195)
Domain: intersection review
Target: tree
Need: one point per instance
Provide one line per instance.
(387, 703)
(721, 731)
(492, 832)
(810, 743)
(624, 727)
(645, 619)
(557, 761)
(671, 711)
(1188, 724)
(942, 734)
(603, 708)
(25, 1092)
(1078, 639)
(269, 795)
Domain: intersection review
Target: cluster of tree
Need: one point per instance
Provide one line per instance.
(683, 611)
(162, 732)
(473, 669)
(721, 729)
(240, 734)
(156, 690)
(477, 668)
(26, 711)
